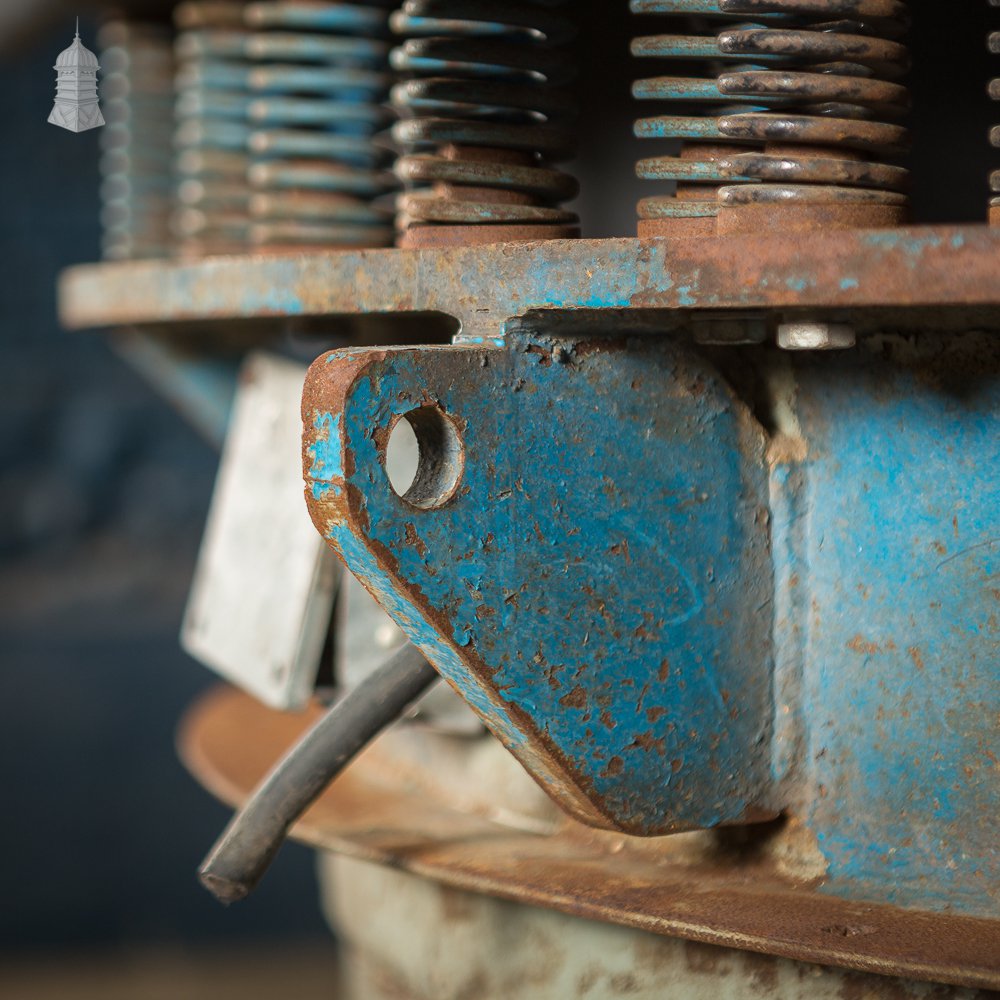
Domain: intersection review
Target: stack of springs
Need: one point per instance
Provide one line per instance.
(483, 118)
(212, 133)
(797, 104)
(318, 88)
(994, 46)
(137, 178)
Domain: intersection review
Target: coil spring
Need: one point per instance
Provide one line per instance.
(318, 88)
(799, 107)
(137, 178)
(212, 133)
(994, 47)
(483, 117)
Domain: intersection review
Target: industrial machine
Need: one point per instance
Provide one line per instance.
(700, 523)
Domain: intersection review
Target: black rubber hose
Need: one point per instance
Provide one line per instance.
(255, 834)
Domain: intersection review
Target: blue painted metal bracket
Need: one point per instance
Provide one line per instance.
(584, 555)
(916, 270)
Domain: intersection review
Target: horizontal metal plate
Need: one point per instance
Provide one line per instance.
(915, 270)
(372, 813)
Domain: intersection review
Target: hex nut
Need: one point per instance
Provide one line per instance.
(812, 336)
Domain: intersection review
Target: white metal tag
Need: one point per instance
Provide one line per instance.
(263, 591)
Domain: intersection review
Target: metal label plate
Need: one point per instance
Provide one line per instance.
(264, 587)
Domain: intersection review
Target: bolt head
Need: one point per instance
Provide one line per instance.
(811, 336)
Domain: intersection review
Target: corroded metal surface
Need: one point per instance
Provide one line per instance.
(485, 286)
(887, 525)
(739, 903)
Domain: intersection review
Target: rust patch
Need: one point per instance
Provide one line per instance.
(544, 355)
(412, 538)
(621, 549)
(577, 698)
(648, 742)
(614, 767)
(860, 645)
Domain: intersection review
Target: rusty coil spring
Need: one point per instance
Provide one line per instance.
(137, 179)
(994, 47)
(483, 118)
(212, 133)
(318, 87)
(797, 105)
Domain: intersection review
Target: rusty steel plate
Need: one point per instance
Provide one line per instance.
(917, 269)
(229, 741)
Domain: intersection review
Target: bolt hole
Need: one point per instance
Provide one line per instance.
(424, 458)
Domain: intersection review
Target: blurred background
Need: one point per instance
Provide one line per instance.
(103, 494)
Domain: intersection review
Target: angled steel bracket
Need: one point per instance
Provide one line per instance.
(583, 554)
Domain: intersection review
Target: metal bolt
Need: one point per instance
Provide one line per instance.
(812, 336)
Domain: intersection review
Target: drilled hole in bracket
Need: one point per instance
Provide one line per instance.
(425, 457)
